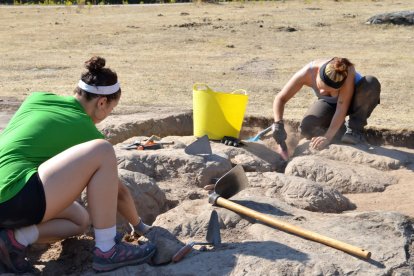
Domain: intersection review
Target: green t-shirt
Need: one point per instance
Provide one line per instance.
(45, 125)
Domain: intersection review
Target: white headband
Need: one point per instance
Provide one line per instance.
(100, 90)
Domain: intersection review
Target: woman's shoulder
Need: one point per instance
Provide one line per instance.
(50, 101)
(46, 96)
(39, 95)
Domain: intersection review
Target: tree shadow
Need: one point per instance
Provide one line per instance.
(269, 250)
(272, 210)
(227, 255)
(260, 207)
(266, 154)
(223, 259)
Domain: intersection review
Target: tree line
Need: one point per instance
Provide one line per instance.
(87, 2)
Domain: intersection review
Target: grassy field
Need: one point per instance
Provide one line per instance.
(160, 51)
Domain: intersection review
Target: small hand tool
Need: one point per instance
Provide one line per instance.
(213, 238)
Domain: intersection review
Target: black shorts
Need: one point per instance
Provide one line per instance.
(26, 208)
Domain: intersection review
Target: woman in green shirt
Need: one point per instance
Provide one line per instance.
(50, 152)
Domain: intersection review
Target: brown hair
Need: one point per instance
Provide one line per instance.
(335, 71)
(98, 75)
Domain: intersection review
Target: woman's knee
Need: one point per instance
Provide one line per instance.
(368, 92)
(103, 146)
(102, 149)
(372, 80)
(372, 84)
(305, 131)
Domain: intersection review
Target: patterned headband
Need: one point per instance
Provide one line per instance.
(325, 78)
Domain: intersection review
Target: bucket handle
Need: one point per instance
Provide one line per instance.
(196, 87)
(207, 88)
(239, 91)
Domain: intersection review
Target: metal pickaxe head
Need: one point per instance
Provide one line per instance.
(229, 184)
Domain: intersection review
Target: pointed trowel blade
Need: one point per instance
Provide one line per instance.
(199, 147)
(213, 231)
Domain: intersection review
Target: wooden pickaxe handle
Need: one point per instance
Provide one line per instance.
(359, 252)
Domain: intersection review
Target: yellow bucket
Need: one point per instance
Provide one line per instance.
(218, 114)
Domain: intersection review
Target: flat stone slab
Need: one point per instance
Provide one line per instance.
(376, 157)
(299, 192)
(345, 177)
(171, 162)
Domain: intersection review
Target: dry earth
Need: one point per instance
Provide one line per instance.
(167, 189)
(160, 51)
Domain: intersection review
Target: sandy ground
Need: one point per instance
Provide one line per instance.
(4, 118)
(160, 51)
(398, 197)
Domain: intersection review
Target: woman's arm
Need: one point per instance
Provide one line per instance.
(126, 205)
(344, 100)
(295, 83)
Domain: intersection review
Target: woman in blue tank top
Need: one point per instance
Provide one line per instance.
(341, 91)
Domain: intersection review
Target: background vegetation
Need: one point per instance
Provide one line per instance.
(87, 2)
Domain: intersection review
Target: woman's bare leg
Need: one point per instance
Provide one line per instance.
(73, 221)
(93, 165)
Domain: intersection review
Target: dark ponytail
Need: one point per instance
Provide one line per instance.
(98, 75)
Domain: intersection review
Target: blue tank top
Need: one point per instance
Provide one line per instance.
(329, 99)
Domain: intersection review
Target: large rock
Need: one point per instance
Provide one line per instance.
(167, 244)
(345, 177)
(172, 162)
(397, 18)
(299, 192)
(376, 157)
(188, 220)
(149, 199)
(118, 128)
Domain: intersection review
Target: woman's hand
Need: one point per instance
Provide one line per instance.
(319, 142)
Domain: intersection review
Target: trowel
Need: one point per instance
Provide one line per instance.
(199, 147)
(282, 150)
(213, 238)
(259, 135)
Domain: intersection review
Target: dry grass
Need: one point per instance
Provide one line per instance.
(160, 51)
